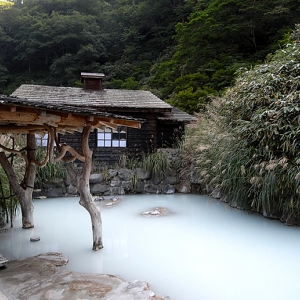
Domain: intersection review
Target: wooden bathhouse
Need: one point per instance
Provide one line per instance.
(162, 124)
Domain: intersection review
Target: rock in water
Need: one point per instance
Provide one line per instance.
(35, 238)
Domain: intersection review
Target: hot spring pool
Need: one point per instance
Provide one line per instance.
(204, 250)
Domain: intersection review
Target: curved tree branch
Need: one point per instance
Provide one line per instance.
(18, 152)
(66, 148)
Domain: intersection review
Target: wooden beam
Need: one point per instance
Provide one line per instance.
(73, 120)
(90, 118)
(24, 119)
(49, 119)
(5, 129)
(128, 123)
(110, 125)
(18, 117)
(118, 122)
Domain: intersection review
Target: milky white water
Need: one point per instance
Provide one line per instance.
(205, 250)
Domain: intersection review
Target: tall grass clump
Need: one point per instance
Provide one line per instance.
(251, 149)
(50, 171)
(157, 163)
(9, 204)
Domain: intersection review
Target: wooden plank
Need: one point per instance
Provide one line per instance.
(120, 122)
(73, 120)
(49, 119)
(18, 117)
(5, 129)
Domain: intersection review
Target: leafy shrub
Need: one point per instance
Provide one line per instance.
(253, 155)
(49, 172)
(156, 163)
(9, 204)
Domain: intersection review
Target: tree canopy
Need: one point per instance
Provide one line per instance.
(182, 51)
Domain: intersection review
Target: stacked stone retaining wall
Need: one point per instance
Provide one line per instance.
(119, 182)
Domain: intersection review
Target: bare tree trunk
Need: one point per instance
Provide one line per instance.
(28, 184)
(24, 190)
(83, 186)
(24, 196)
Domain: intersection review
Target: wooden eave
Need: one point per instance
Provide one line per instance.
(21, 116)
(137, 110)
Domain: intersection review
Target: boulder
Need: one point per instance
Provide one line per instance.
(184, 187)
(127, 185)
(55, 183)
(54, 257)
(151, 188)
(55, 192)
(112, 173)
(216, 194)
(72, 190)
(96, 178)
(170, 179)
(156, 212)
(112, 202)
(98, 188)
(157, 179)
(45, 279)
(125, 174)
(168, 189)
(139, 187)
(117, 190)
(114, 183)
(194, 177)
(142, 174)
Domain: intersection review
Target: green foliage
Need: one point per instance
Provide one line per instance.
(219, 37)
(156, 163)
(50, 171)
(252, 154)
(8, 202)
(63, 38)
(5, 5)
(126, 161)
(100, 168)
(183, 51)
(191, 92)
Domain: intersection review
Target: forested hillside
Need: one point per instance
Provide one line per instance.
(181, 50)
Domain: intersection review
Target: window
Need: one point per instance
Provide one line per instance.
(108, 137)
(41, 140)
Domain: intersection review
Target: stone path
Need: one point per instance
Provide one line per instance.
(41, 278)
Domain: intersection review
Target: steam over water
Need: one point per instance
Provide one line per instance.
(203, 250)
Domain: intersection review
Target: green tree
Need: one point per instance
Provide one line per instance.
(221, 36)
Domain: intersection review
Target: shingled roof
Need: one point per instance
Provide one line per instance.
(116, 100)
(176, 114)
(107, 99)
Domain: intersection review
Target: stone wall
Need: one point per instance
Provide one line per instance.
(123, 181)
(119, 182)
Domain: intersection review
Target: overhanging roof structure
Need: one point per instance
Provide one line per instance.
(20, 115)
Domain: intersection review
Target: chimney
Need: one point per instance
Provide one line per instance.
(92, 81)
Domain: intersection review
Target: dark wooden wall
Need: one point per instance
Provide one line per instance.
(169, 134)
(139, 141)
